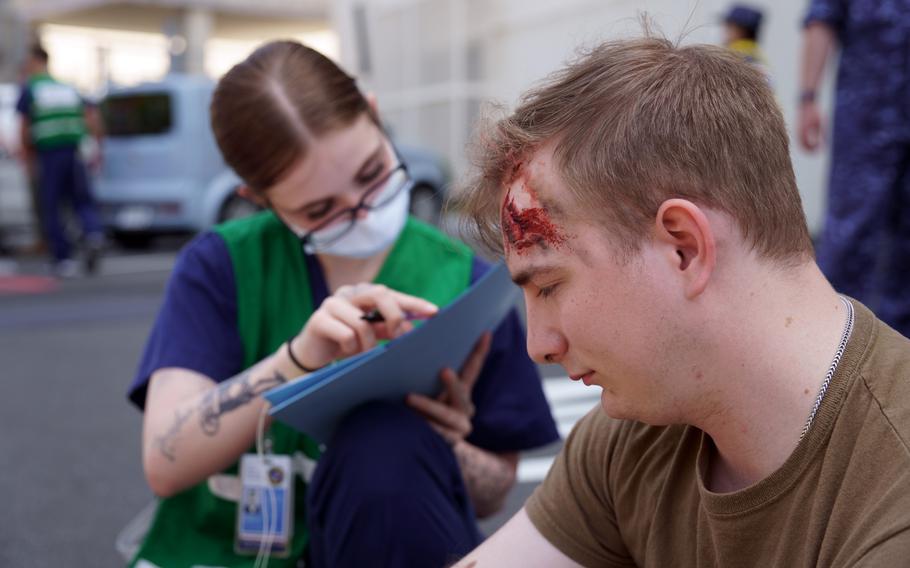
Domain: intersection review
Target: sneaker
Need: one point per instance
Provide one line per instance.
(66, 269)
(93, 246)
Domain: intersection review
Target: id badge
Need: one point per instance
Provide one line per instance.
(265, 509)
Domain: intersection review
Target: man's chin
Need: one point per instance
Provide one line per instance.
(618, 409)
(615, 408)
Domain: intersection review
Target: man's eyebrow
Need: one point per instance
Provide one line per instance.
(522, 277)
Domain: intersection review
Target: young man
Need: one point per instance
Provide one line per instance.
(750, 416)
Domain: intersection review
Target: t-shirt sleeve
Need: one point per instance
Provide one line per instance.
(24, 104)
(512, 413)
(893, 550)
(196, 327)
(831, 12)
(573, 508)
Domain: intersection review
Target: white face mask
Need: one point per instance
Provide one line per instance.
(369, 236)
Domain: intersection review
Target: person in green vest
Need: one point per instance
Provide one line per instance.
(54, 122)
(259, 301)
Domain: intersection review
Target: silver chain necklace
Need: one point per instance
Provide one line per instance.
(848, 329)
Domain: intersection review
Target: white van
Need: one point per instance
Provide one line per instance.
(16, 215)
(162, 171)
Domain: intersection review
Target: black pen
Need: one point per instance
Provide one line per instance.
(375, 316)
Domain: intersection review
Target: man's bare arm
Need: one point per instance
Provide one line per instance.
(818, 42)
(517, 543)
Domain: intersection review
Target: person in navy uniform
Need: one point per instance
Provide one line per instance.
(864, 248)
(742, 24)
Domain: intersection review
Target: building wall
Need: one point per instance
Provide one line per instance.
(13, 34)
(94, 44)
(433, 64)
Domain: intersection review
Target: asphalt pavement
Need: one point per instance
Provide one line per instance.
(69, 349)
(72, 475)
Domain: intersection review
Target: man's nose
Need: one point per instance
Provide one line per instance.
(545, 342)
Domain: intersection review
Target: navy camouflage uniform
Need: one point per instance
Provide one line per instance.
(865, 246)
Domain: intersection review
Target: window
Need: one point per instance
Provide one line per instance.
(145, 114)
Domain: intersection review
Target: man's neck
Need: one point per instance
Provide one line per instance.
(767, 373)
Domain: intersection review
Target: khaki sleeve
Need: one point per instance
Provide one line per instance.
(572, 508)
(892, 551)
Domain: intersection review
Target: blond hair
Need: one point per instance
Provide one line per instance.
(637, 122)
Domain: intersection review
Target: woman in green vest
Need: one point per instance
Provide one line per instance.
(258, 302)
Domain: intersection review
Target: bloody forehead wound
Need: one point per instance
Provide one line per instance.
(525, 222)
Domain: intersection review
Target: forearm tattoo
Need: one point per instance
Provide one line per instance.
(165, 442)
(487, 476)
(223, 398)
(231, 395)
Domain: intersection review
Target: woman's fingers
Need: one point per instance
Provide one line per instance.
(392, 313)
(416, 307)
(368, 296)
(351, 316)
(452, 411)
(338, 327)
(360, 294)
(457, 393)
(340, 334)
(395, 307)
(440, 414)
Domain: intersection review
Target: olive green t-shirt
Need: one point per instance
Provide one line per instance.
(623, 493)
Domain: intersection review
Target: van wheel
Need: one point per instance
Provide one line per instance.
(236, 207)
(133, 240)
(426, 203)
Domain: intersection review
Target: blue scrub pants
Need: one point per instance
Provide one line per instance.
(63, 179)
(388, 493)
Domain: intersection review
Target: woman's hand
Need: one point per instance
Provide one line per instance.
(337, 329)
(452, 411)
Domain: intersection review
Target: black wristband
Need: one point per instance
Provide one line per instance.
(294, 359)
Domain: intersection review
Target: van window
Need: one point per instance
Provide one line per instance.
(137, 114)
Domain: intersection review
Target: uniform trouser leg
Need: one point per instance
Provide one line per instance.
(388, 492)
(865, 167)
(82, 200)
(894, 307)
(34, 190)
(54, 175)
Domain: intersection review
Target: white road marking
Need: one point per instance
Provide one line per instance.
(570, 401)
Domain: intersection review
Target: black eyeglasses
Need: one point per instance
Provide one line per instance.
(383, 192)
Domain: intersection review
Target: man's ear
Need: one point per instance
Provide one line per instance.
(689, 238)
(371, 100)
(245, 192)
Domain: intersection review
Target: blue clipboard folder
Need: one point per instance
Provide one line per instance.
(410, 363)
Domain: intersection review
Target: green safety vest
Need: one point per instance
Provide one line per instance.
(274, 300)
(56, 117)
